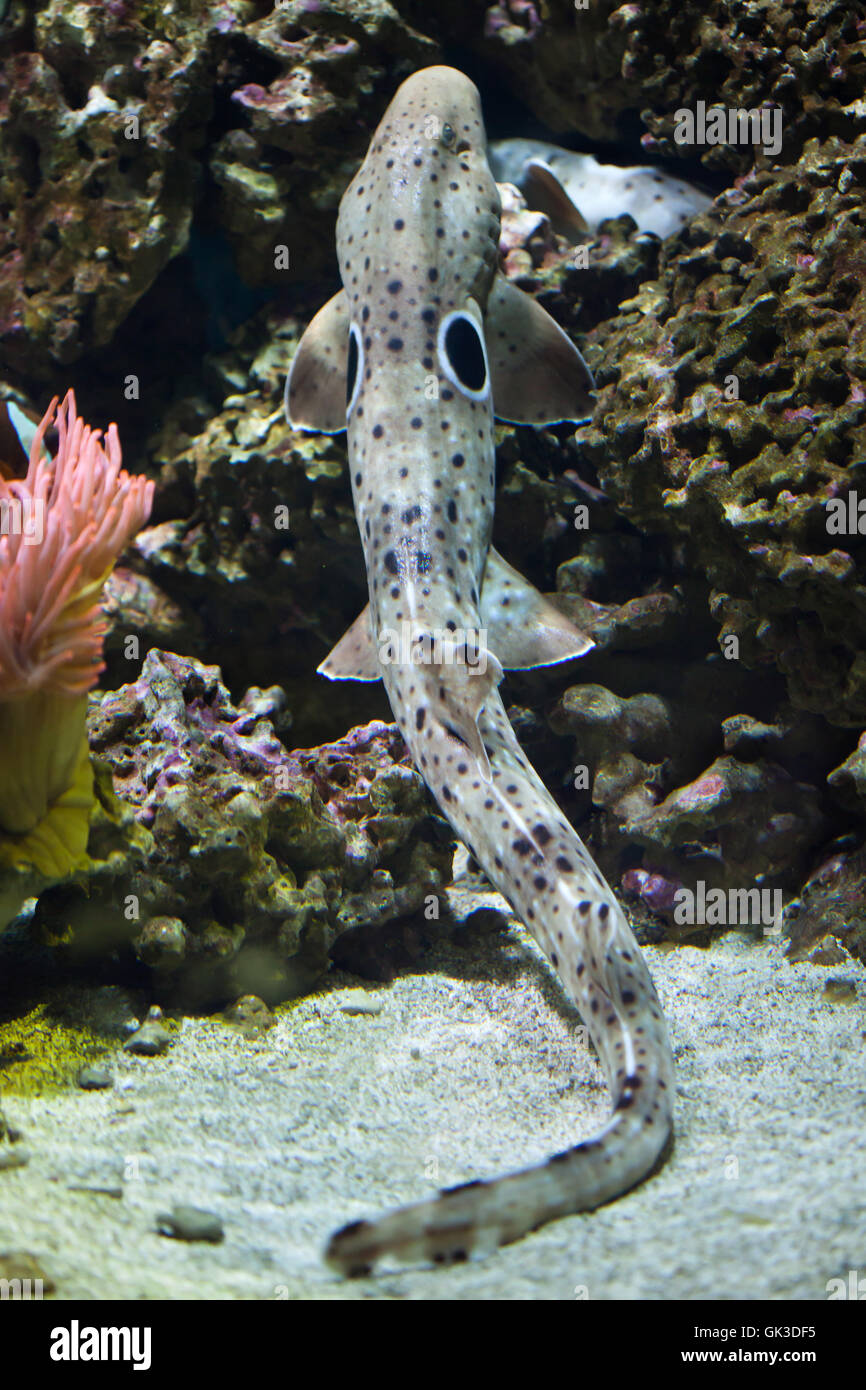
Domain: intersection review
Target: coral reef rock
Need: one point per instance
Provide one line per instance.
(258, 858)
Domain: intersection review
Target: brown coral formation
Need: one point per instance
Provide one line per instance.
(250, 860)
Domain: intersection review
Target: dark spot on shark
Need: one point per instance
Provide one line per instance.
(458, 460)
(395, 344)
(391, 564)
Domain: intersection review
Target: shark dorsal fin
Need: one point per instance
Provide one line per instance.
(459, 688)
(315, 396)
(538, 374)
(545, 193)
(524, 629)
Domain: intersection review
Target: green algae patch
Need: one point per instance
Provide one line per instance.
(49, 1032)
(41, 1053)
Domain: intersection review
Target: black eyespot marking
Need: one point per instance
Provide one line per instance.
(541, 833)
(420, 716)
(522, 846)
(452, 510)
(399, 225)
(352, 365)
(391, 564)
(424, 561)
(540, 882)
(563, 864)
(464, 353)
(458, 460)
(395, 344)
(394, 286)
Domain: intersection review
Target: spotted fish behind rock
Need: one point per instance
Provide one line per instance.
(577, 193)
(424, 343)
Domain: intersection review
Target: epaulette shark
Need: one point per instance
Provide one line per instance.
(424, 344)
(577, 193)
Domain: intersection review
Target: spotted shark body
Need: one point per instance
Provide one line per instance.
(423, 344)
(577, 193)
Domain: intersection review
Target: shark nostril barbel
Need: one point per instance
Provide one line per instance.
(440, 343)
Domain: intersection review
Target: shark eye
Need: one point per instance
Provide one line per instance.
(353, 365)
(447, 134)
(462, 355)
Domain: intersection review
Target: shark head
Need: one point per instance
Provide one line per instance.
(425, 342)
(423, 201)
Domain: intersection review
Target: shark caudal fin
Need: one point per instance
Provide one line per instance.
(538, 375)
(315, 394)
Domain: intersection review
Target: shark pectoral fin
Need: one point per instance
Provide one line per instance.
(315, 395)
(523, 627)
(544, 193)
(355, 657)
(461, 682)
(538, 374)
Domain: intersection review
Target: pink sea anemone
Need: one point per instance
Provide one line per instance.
(62, 528)
(78, 511)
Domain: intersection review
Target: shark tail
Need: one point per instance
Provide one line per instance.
(474, 1218)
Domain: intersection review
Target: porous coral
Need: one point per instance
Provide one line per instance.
(251, 860)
